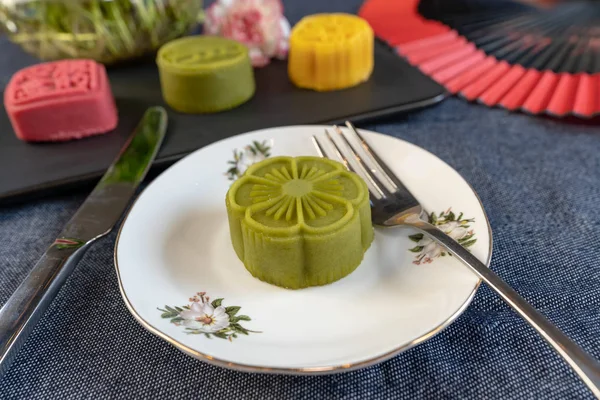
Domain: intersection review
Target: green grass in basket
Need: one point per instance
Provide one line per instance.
(106, 31)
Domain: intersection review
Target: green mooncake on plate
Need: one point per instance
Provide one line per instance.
(297, 222)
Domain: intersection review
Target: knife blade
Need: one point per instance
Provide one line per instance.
(96, 217)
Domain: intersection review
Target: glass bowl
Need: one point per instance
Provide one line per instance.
(105, 31)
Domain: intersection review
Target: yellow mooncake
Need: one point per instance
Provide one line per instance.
(330, 51)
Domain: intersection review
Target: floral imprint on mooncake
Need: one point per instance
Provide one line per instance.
(49, 80)
(458, 228)
(251, 154)
(297, 222)
(203, 317)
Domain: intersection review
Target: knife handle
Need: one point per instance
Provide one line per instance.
(29, 302)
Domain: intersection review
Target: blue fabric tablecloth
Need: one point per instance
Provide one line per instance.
(539, 180)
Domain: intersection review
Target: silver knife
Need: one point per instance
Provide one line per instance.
(95, 218)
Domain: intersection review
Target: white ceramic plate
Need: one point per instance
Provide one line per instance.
(175, 244)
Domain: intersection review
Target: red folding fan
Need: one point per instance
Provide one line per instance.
(500, 53)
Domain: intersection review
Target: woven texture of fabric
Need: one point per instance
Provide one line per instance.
(539, 180)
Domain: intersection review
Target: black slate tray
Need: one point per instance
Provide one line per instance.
(32, 170)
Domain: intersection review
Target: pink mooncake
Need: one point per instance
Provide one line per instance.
(61, 100)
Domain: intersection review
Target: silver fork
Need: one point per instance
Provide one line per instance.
(392, 204)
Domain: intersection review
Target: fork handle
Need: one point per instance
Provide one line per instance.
(582, 363)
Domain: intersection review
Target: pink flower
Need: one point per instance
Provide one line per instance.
(259, 24)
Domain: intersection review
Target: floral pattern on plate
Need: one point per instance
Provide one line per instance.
(203, 317)
(242, 159)
(457, 228)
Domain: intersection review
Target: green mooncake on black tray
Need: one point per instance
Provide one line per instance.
(299, 222)
(205, 74)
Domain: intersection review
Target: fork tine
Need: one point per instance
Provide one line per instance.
(375, 157)
(338, 152)
(368, 163)
(375, 187)
(320, 148)
(324, 153)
